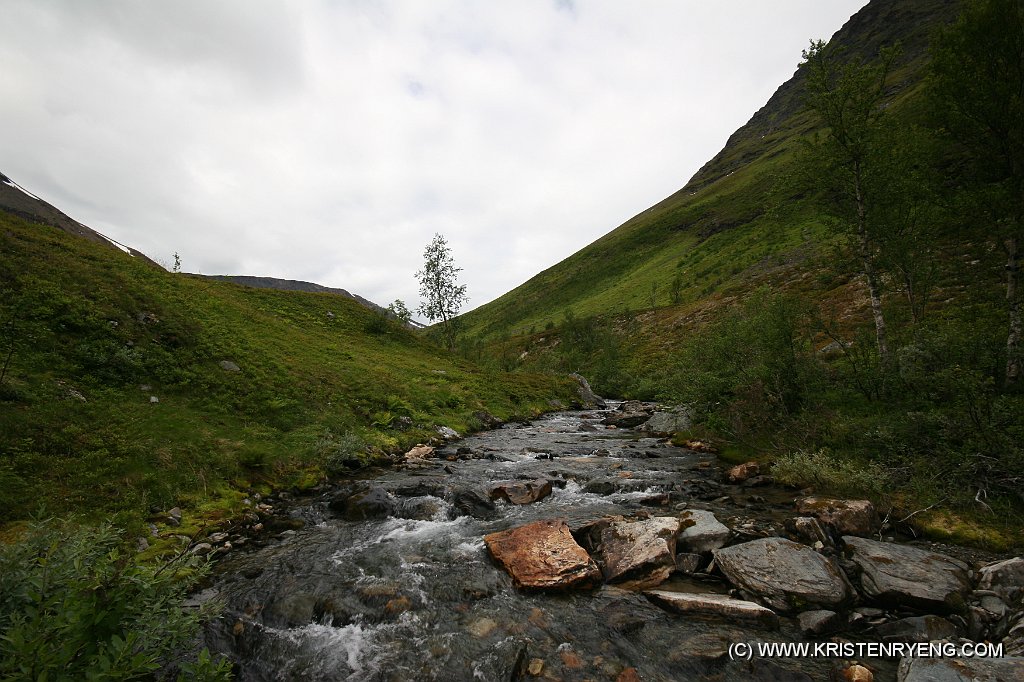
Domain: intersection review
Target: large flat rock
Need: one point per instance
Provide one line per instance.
(639, 552)
(960, 670)
(784, 574)
(713, 606)
(903, 575)
(543, 555)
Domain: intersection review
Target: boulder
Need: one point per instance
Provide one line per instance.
(905, 575)
(625, 420)
(848, 517)
(742, 472)
(639, 552)
(419, 452)
(543, 555)
(374, 503)
(819, 622)
(702, 532)
(468, 502)
(786, 575)
(1005, 578)
(521, 492)
(808, 530)
(447, 432)
(713, 606)
(960, 670)
(587, 396)
(667, 422)
(917, 629)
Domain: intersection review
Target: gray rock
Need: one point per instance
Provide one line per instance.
(808, 530)
(1005, 578)
(447, 432)
(521, 492)
(702, 532)
(471, 503)
(714, 606)
(667, 422)
(819, 622)
(640, 552)
(905, 575)
(202, 549)
(374, 503)
(960, 670)
(786, 575)
(153, 399)
(917, 629)
(141, 544)
(625, 420)
(687, 563)
(587, 396)
(229, 366)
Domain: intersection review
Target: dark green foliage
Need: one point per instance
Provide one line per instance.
(75, 605)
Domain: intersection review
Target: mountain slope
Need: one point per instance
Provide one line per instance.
(713, 234)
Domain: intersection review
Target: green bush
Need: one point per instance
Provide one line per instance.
(829, 473)
(76, 605)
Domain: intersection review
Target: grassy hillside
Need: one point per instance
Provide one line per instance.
(731, 222)
(114, 399)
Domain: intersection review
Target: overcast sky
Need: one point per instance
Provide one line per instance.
(329, 140)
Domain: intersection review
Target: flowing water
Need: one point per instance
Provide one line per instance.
(413, 595)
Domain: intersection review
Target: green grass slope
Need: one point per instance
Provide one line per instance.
(729, 224)
(113, 397)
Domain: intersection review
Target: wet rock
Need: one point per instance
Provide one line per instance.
(625, 420)
(640, 552)
(819, 622)
(808, 530)
(587, 396)
(482, 627)
(521, 492)
(713, 606)
(602, 486)
(667, 422)
(471, 503)
(855, 673)
(702, 532)
(786, 575)
(1005, 578)
(1013, 643)
(588, 531)
(543, 555)
(960, 670)
(374, 503)
(917, 629)
(687, 563)
(290, 610)
(905, 575)
(848, 517)
(742, 472)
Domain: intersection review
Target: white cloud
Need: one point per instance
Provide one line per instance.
(328, 141)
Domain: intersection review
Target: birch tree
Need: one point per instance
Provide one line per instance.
(439, 286)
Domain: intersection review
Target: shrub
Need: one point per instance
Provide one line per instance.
(76, 605)
(824, 471)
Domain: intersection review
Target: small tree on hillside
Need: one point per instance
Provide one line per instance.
(399, 311)
(443, 295)
(849, 99)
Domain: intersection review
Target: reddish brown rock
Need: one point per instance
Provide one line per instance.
(522, 492)
(849, 517)
(543, 555)
(742, 472)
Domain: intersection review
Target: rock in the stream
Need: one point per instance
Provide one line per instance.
(625, 420)
(808, 530)
(905, 575)
(522, 492)
(641, 552)
(916, 629)
(374, 503)
(587, 396)
(713, 606)
(742, 472)
(419, 453)
(848, 517)
(543, 555)
(960, 670)
(667, 422)
(786, 575)
(471, 503)
(1005, 578)
(702, 532)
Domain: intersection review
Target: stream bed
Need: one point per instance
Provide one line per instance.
(410, 593)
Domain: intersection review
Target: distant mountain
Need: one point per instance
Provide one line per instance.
(18, 201)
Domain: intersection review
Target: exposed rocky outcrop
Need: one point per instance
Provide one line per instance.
(785, 575)
(901, 574)
(667, 422)
(714, 606)
(587, 396)
(543, 555)
(960, 670)
(1005, 578)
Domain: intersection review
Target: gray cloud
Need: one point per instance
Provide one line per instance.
(328, 141)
